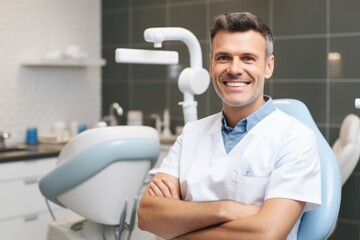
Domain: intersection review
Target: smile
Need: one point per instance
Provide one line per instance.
(236, 84)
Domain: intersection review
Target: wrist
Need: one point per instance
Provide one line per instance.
(225, 209)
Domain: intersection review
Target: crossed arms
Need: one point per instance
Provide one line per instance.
(164, 213)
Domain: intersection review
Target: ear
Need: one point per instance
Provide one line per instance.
(210, 63)
(269, 68)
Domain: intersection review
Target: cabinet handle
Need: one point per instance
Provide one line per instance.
(31, 217)
(30, 180)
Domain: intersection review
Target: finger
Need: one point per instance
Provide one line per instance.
(162, 187)
(171, 187)
(156, 190)
(151, 192)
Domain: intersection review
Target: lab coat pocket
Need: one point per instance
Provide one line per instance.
(250, 190)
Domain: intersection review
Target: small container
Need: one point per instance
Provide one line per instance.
(134, 117)
(82, 127)
(31, 136)
(59, 128)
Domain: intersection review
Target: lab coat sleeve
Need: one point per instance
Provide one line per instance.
(170, 164)
(296, 174)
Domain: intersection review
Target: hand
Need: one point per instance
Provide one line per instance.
(163, 188)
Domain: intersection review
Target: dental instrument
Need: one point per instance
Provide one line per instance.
(111, 118)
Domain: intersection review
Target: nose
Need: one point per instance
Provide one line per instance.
(236, 67)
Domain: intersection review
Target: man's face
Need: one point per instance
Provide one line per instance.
(238, 68)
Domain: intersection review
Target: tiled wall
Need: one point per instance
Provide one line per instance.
(39, 96)
(305, 32)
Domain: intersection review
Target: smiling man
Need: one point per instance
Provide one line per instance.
(248, 172)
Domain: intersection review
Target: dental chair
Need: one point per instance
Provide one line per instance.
(347, 146)
(319, 223)
(99, 175)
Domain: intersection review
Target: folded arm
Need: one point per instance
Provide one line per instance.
(163, 213)
(274, 221)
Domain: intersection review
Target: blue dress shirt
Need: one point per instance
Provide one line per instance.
(231, 136)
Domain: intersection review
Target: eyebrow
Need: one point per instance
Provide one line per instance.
(241, 55)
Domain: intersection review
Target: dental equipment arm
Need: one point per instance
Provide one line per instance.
(193, 80)
(160, 34)
(141, 56)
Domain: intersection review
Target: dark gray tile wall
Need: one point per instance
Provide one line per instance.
(306, 32)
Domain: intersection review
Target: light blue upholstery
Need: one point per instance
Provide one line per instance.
(92, 160)
(317, 224)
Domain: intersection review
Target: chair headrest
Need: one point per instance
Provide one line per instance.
(93, 150)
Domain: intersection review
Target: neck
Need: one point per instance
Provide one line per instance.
(236, 114)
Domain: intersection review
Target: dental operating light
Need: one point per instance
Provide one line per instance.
(193, 80)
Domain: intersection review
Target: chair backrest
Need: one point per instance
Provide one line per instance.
(99, 169)
(347, 146)
(318, 224)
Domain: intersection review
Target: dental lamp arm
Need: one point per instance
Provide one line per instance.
(192, 81)
(160, 34)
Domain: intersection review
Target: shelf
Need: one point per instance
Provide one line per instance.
(63, 63)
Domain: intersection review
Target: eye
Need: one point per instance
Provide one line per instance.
(222, 58)
(248, 59)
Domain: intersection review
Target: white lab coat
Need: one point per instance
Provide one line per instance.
(277, 158)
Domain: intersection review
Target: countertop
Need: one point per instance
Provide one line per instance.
(41, 150)
(30, 152)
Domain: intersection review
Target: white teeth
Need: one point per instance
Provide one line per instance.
(236, 84)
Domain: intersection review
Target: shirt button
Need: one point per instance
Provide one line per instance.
(247, 173)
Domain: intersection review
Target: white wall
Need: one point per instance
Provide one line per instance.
(39, 96)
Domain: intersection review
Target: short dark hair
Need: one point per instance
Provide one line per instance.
(241, 22)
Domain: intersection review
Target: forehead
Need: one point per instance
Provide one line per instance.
(225, 41)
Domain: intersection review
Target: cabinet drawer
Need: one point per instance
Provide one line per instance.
(14, 170)
(29, 228)
(21, 197)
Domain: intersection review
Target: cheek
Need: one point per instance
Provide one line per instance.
(259, 69)
(216, 70)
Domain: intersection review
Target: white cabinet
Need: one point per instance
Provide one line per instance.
(30, 227)
(23, 210)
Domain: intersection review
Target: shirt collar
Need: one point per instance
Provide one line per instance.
(254, 118)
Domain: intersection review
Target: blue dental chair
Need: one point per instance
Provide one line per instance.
(318, 224)
(99, 174)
